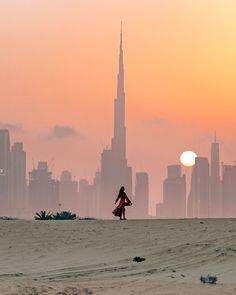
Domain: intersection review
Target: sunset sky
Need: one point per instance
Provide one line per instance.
(58, 67)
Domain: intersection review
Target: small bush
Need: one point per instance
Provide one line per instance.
(64, 215)
(43, 215)
(7, 218)
(208, 279)
(87, 218)
(139, 259)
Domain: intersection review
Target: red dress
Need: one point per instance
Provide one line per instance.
(124, 201)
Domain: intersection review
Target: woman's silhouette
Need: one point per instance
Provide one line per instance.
(124, 201)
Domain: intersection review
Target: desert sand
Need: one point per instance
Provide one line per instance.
(96, 257)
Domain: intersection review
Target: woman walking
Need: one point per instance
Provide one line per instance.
(124, 201)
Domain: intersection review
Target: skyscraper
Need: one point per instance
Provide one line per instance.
(96, 194)
(18, 201)
(141, 196)
(43, 190)
(68, 196)
(229, 191)
(198, 201)
(191, 208)
(215, 184)
(4, 171)
(114, 169)
(174, 193)
(88, 198)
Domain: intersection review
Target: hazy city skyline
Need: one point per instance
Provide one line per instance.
(179, 84)
(211, 194)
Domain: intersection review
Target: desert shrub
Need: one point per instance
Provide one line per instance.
(7, 218)
(139, 259)
(87, 218)
(208, 279)
(64, 215)
(43, 215)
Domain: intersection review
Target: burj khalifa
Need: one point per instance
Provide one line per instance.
(115, 171)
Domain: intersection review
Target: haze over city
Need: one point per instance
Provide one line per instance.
(58, 73)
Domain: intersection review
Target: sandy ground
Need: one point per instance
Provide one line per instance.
(95, 257)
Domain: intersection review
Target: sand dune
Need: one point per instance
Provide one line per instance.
(95, 257)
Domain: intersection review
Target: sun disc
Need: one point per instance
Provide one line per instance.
(187, 158)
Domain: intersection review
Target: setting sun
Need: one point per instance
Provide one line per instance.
(188, 158)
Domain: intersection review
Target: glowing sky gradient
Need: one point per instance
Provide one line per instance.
(58, 66)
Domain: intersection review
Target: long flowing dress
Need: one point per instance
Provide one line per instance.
(124, 201)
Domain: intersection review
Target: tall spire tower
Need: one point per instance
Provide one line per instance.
(119, 139)
(114, 169)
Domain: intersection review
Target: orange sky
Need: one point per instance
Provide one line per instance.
(58, 66)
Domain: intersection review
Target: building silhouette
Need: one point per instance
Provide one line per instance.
(43, 190)
(115, 171)
(83, 195)
(18, 194)
(4, 171)
(88, 202)
(229, 191)
(215, 201)
(198, 200)
(68, 195)
(141, 196)
(174, 194)
(191, 206)
(89, 197)
(96, 194)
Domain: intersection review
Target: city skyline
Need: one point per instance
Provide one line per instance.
(48, 97)
(211, 194)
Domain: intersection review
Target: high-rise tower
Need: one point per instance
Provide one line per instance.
(119, 139)
(114, 169)
(215, 185)
(174, 193)
(43, 189)
(228, 191)
(18, 201)
(198, 200)
(4, 171)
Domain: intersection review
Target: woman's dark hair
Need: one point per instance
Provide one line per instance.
(122, 189)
